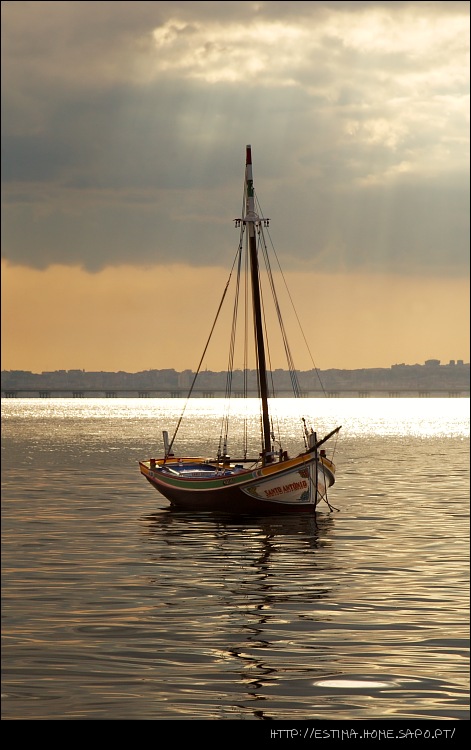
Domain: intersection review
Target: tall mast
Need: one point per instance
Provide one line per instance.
(252, 221)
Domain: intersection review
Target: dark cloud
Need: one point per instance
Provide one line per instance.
(125, 125)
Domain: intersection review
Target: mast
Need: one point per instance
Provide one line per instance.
(252, 222)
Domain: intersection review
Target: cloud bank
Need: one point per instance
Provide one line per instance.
(124, 128)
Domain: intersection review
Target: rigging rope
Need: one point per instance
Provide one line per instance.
(169, 451)
(314, 366)
(262, 245)
(230, 366)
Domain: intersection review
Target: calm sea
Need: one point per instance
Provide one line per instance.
(115, 607)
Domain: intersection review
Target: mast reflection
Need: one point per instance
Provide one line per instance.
(260, 580)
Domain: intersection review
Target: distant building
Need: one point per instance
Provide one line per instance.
(399, 378)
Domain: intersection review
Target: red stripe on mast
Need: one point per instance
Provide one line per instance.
(248, 157)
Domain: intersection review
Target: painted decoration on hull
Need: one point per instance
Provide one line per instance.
(292, 488)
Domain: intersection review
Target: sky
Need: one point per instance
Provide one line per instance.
(124, 128)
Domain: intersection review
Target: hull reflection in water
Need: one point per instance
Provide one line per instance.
(281, 625)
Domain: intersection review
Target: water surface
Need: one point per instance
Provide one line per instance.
(115, 607)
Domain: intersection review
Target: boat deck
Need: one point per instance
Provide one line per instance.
(199, 470)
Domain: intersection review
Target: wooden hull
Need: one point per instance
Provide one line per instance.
(293, 486)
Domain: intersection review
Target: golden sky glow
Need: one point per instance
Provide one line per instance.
(132, 319)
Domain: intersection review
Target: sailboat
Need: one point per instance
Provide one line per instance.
(268, 480)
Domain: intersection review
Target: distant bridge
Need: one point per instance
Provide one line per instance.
(338, 392)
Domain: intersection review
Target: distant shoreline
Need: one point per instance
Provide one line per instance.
(432, 379)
